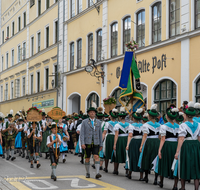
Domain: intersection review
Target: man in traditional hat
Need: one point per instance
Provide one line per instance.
(91, 140)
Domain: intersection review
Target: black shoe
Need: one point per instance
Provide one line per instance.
(160, 184)
(35, 161)
(27, 157)
(38, 165)
(23, 155)
(7, 158)
(87, 175)
(64, 160)
(175, 188)
(101, 168)
(145, 179)
(13, 158)
(115, 172)
(98, 176)
(3, 156)
(93, 166)
(105, 170)
(32, 166)
(155, 182)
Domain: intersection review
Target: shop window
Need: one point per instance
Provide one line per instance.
(198, 91)
(164, 95)
(90, 47)
(72, 56)
(114, 38)
(174, 18)
(197, 13)
(141, 28)
(99, 45)
(126, 32)
(92, 98)
(156, 22)
(79, 53)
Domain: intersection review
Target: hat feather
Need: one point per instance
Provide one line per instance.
(175, 110)
(43, 110)
(122, 109)
(191, 104)
(181, 113)
(139, 110)
(154, 107)
(11, 111)
(115, 110)
(100, 109)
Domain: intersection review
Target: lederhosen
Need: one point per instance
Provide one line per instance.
(30, 140)
(9, 138)
(52, 152)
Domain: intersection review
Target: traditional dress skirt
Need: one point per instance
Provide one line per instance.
(134, 154)
(109, 142)
(119, 156)
(150, 152)
(43, 146)
(1, 150)
(18, 141)
(165, 164)
(189, 163)
(70, 142)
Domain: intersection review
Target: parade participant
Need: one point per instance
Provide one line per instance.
(188, 149)
(133, 143)
(9, 131)
(34, 137)
(51, 143)
(2, 135)
(150, 141)
(120, 140)
(168, 145)
(108, 136)
(91, 140)
(64, 139)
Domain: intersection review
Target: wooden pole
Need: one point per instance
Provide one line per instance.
(57, 139)
(33, 134)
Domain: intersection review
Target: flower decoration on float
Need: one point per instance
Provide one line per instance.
(132, 45)
(110, 100)
(34, 108)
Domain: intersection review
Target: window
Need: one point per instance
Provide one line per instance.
(24, 86)
(56, 31)
(39, 41)
(141, 28)
(24, 19)
(90, 3)
(8, 32)
(17, 88)
(13, 55)
(174, 18)
(1, 93)
(47, 4)
(126, 32)
(6, 92)
(39, 7)
(99, 45)
(31, 84)
(72, 56)
(32, 46)
(47, 37)
(38, 81)
(90, 46)
(93, 98)
(56, 70)
(47, 78)
(6, 60)
(2, 37)
(2, 62)
(19, 53)
(79, 4)
(24, 51)
(72, 8)
(114, 38)
(116, 95)
(12, 90)
(79, 53)
(19, 23)
(197, 14)
(156, 22)
(164, 95)
(13, 28)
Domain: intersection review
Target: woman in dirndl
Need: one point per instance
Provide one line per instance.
(167, 148)
(150, 143)
(188, 149)
(134, 141)
(108, 136)
(120, 141)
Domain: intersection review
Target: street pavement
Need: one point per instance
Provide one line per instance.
(17, 174)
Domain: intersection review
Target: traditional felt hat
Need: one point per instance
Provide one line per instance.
(145, 117)
(197, 108)
(92, 108)
(153, 111)
(172, 113)
(180, 117)
(10, 114)
(137, 115)
(122, 112)
(191, 111)
(100, 113)
(43, 112)
(113, 113)
(164, 118)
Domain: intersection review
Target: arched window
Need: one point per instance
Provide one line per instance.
(99, 45)
(72, 56)
(197, 13)
(141, 28)
(92, 98)
(126, 32)
(114, 39)
(90, 46)
(165, 94)
(198, 91)
(156, 22)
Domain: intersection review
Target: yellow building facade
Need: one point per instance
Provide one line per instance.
(168, 35)
(29, 41)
